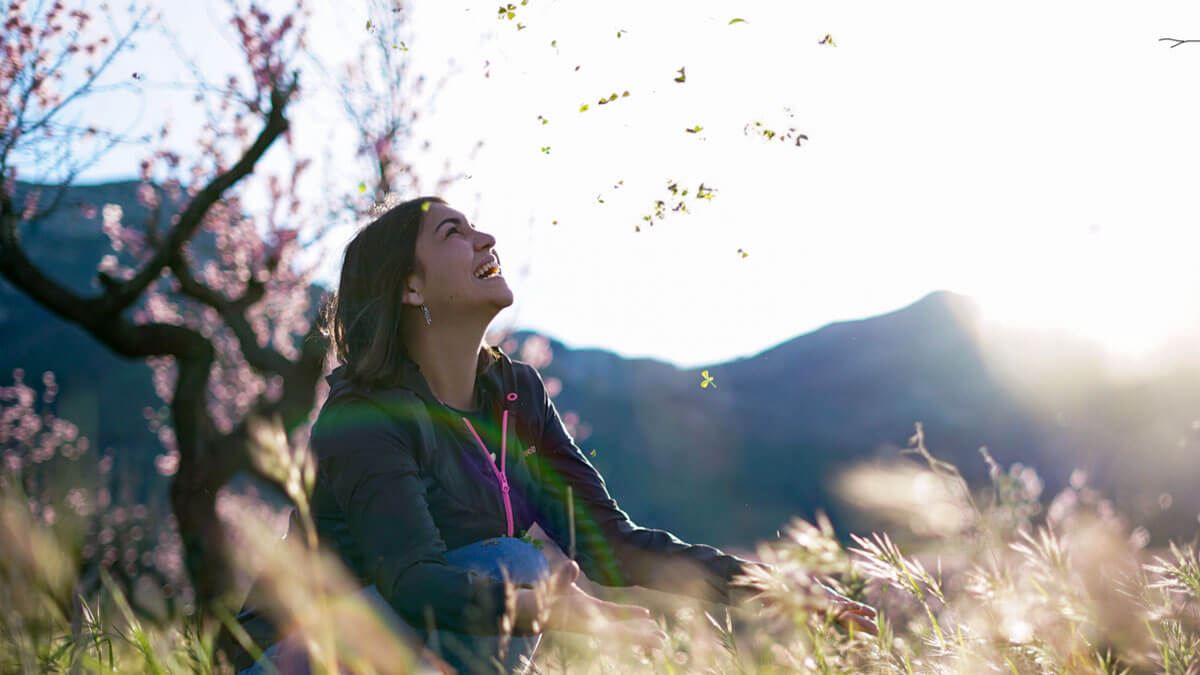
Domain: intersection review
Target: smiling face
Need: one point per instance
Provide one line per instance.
(451, 252)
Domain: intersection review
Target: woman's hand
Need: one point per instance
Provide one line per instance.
(846, 613)
(570, 608)
(849, 614)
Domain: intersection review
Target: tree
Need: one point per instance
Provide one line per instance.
(230, 333)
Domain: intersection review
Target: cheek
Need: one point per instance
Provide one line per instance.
(450, 270)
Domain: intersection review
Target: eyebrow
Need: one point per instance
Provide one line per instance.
(456, 221)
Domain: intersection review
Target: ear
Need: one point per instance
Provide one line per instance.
(412, 298)
(412, 292)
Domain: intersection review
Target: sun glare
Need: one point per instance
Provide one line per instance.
(1119, 288)
(1131, 330)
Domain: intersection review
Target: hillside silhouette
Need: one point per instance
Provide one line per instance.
(729, 465)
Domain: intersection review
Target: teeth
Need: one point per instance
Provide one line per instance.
(487, 270)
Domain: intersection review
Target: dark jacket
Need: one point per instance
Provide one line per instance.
(391, 503)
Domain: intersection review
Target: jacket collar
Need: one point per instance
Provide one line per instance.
(493, 372)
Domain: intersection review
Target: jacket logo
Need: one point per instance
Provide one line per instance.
(530, 451)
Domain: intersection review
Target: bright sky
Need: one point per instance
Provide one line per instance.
(1039, 157)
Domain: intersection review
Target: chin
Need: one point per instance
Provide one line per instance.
(500, 299)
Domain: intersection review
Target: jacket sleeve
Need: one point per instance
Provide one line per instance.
(367, 462)
(610, 548)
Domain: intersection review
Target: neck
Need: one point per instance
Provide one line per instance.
(448, 356)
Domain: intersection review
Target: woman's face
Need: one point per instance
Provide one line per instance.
(451, 251)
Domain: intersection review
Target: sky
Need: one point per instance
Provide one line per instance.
(1038, 157)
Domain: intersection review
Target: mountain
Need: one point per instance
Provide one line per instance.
(732, 464)
(729, 465)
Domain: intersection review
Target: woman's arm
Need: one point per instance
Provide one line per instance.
(610, 547)
(366, 461)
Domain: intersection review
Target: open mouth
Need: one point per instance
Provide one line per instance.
(489, 272)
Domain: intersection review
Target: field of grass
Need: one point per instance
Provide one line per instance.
(994, 579)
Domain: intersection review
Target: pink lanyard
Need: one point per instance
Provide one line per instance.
(500, 475)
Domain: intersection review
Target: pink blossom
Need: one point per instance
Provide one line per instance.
(167, 464)
(536, 351)
(146, 196)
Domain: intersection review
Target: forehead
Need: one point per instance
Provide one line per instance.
(438, 213)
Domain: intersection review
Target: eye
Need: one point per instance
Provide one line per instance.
(451, 231)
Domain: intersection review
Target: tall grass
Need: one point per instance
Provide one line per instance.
(966, 581)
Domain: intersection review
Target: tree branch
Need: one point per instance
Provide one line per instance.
(124, 338)
(300, 390)
(1177, 41)
(124, 295)
(233, 314)
(86, 86)
(22, 273)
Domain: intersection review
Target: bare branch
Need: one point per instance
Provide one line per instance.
(86, 86)
(1177, 41)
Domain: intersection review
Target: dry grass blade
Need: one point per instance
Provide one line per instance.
(310, 592)
(1180, 575)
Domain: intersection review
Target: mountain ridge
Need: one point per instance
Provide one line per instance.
(730, 464)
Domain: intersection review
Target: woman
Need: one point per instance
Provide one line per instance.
(436, 453)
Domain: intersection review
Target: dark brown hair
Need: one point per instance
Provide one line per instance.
(362, 318)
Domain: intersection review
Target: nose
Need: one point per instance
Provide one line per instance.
(486, 241)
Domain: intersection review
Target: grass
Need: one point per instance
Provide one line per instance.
(970, 581)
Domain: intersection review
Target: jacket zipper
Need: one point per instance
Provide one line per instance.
(501, 476)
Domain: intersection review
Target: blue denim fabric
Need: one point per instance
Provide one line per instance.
(469, 654)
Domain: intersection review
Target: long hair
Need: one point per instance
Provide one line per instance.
(363, 317)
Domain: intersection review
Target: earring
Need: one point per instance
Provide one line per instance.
(428, 321)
